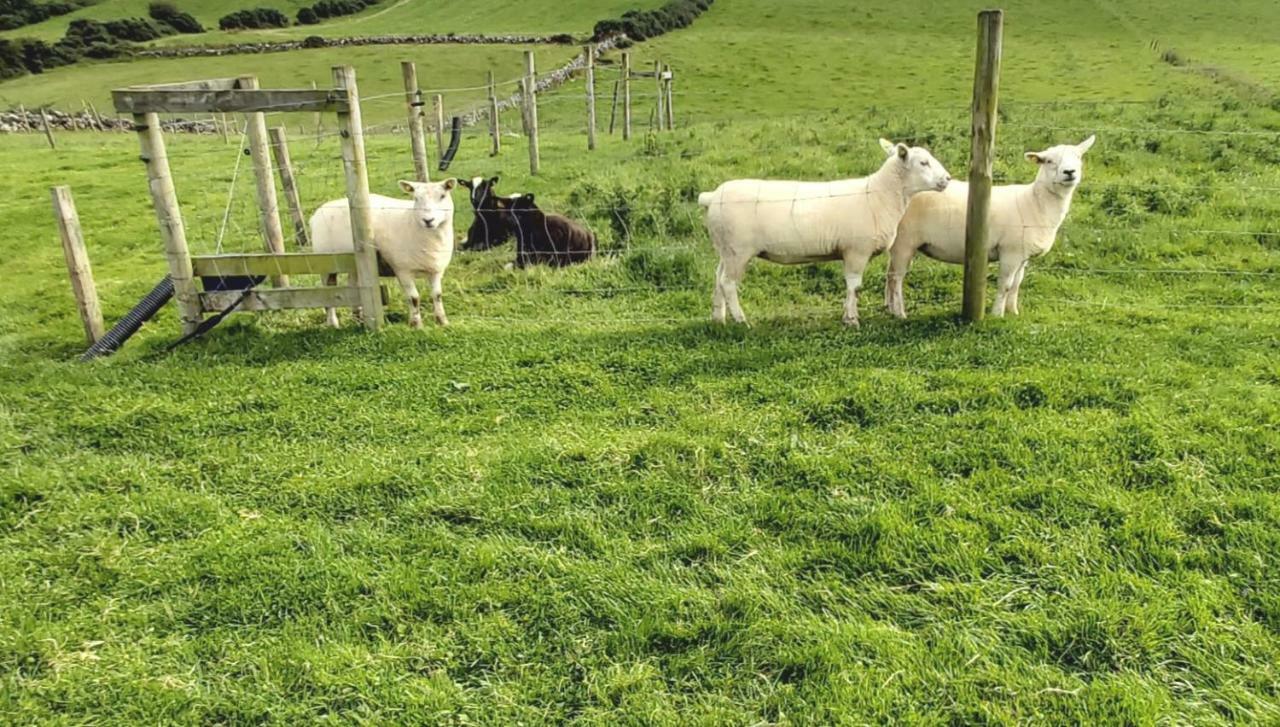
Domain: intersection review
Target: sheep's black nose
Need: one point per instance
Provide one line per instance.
(1070, 173)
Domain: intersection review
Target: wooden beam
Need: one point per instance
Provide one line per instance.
(262, 299)
(77, 257)
(589, 55)
(986, 92)
(626, 95)
(413, 104)
(145, 101)
(531, 104)
(289, 183)
(268, 205)
(351, 134)
(209, 84)
(292, 263)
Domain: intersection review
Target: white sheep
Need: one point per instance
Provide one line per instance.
(1022, 224)
(413, 237)
(807, 222)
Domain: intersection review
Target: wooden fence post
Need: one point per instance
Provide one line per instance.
(986, 92)
(531, 100)
(351, 131)
(495, 121)
(438, 104)
(226, 132)
(169, 216)
(589, 54)
(413, 101)
(613, 109)
(319, 119)
(268, 205)
(280, 151)
(626, 95)
(668, 79)
(48, 131)
(77, 257)
(662, 112)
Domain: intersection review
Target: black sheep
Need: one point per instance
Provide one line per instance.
(547, 239)
(489, 228)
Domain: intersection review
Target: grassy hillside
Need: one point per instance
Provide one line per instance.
(583, 503)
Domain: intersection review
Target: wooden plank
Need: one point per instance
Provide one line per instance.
(268, 206)
(209, 84)
(289, 183)
(169, 217)
(356, 171)
(144, 101)
(293, 263)
(78, 269)
(986, 91)
(413, 103)
(264, 299)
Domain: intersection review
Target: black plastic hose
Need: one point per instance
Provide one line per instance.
(132, 321)
(454, 140)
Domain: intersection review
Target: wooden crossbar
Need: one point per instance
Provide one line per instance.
(178, 101)
(260, 299)
(294, 263)
(210, 84)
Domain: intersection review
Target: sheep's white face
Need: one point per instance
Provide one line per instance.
(432, 201)
(922, 172)
(1061, 167)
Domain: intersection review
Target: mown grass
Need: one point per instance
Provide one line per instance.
(584, 503)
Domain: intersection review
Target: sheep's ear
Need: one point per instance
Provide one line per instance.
(406, 186)
(1034, 157)
(887, 146)
(450, 183)
(903, 151)
(1085, 145)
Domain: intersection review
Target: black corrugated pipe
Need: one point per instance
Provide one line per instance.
(454, 140)
(132, 321)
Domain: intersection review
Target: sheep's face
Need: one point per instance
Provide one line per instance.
(922, 173)
(1061, 167)
(432, 201)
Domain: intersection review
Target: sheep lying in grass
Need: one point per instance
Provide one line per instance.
(413, 237)
(1023, 223)
(807, 222)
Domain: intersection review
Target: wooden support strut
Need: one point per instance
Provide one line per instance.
(289, 183)
(78, 269)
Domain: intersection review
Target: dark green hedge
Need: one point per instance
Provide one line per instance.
(326, 9)
(254, 18)
(17, 13)
(645, 24)
(167, 14)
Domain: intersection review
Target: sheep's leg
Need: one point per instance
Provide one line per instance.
(732, 272)
(717, 296)
(437, 297)
(900, 257)
(331, 314)
(1011, 304)
(410, 289)
(1008, 272)
(854, 266)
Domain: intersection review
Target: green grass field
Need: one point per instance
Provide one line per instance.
(584, 503)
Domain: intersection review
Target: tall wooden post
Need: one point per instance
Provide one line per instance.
(413, 102)
(351, 131)
(268, 205)
(169, 216)
(437, 101)
(77, 257)
(662, 112)
(668, 79)
(221, 122)
(986, 92)
(48, 131)
(626, 95)
(613, 108)
(531, 99)
(495, 121)
(280, 151)
(589, 53)
(319, 119)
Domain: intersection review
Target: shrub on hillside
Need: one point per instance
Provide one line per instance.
(17, 13)
(168, 14)
(307, 16)
(254, 18)
(314, 41)
(646, 24)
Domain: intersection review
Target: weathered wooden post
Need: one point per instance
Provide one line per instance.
(78, 269)
(169, 216)
(413, 102)
(613, 109)
(626, 95)
(48, 131)
(351, 131)
(280, 151)
(495, 121)
(221, 122)
(319, 119)
(531, 100)
(668, 79)
(662, 112)
(437, 101)
(986, 92)
(268, 205)
(589, 55)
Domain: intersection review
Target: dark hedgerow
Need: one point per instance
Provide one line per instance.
(254, 18)
(326, 9)
(646, 24)
(17, 13)
(168, 14)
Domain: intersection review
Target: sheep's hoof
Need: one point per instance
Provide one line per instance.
(443, 322)
(852, 322)
(415, 323)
